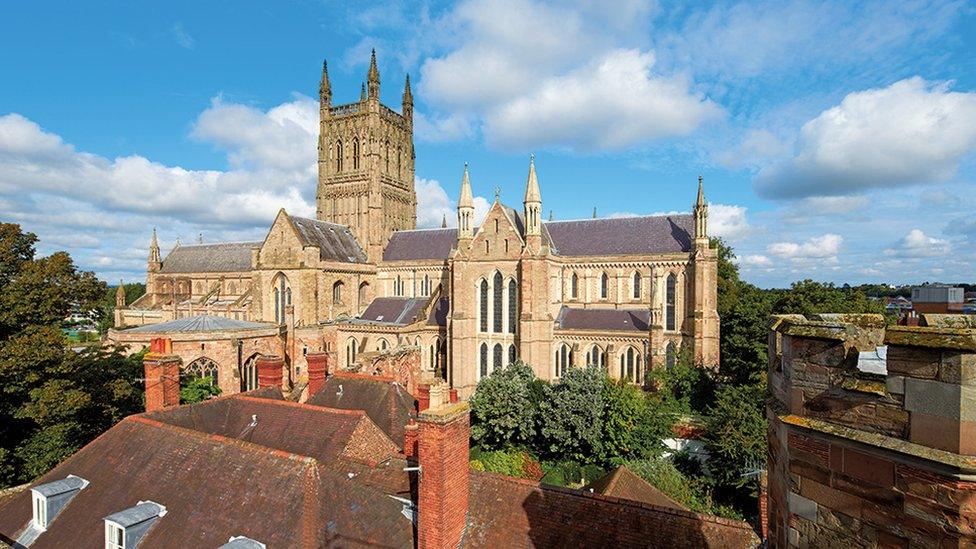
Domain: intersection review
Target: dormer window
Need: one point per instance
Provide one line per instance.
(40, 511)
(125, 529)
(47, 500)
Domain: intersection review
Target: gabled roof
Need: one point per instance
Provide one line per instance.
(334, 241)
(399, 311)
(386, 403)
(210, 258)
(655, 234)
(200, 323)
(619, 320)
(625, 484)
(420, 244)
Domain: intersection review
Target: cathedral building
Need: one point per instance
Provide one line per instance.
(360, 281)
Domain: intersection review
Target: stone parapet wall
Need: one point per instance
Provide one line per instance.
(871, 459)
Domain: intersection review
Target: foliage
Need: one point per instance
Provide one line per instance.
(570, 473)
(809, 297)
(197, 389)
(632, 428)
(572, 427)
(133, 291)
(52, 400)
(510, 461)
(735, 434)
(502, 409)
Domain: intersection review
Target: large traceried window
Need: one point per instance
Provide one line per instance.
(282, 297)
(637, 285)
(670, 320)
(483, 306)
(497, 302)
(202, 367)
(497, 357)
(630, 365)
(351, 349)
(596, 356)
(574, 286)
(483, 363)
(564, 359)
(512, 306)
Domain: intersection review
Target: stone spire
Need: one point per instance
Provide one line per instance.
(154, 258)
(594, 212)
(533, 202)
(407, 100)
(120, 295)
(325, 89)
(444, 222)
(465, 207)
(700, 212)
(362, 91)
(550, 215)
(373, 78)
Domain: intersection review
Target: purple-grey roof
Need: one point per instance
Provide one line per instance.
(654, 234)
(420, 244)
(439, 312)
(616, 320)
(227, 257)
(394, 310)
(334, 241)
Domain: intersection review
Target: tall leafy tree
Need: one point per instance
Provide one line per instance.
(572, 415)
(502, 411)
(52, 400)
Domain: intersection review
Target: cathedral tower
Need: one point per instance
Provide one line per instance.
(366, 164)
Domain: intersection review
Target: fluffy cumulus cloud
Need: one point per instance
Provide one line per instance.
(917, 244)
(727, 221)
(817, 247)
(511, 70)
(912, 131)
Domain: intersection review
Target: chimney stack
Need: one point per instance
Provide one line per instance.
(269, 371)
(162, 373)
(410, 433)
(318, 368)
(442, 495)
(423, 397)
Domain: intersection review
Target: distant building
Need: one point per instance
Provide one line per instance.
(937, 299)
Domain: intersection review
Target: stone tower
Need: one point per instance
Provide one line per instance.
(366, 164)
(704, 290)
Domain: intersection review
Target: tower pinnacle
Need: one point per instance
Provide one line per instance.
(532, 202)
(700, 213)
(373, 77)
(325, 88)
(465, 207)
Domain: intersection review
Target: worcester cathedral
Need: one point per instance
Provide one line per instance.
(361, 280)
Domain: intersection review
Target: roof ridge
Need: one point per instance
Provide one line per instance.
(591, 219)
(319, 221)
(237, 242)
(243, 444)
(303, 405)
(425, 229)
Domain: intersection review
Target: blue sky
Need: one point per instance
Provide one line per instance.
(837, 142)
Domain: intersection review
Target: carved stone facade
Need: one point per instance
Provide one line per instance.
(625, 294)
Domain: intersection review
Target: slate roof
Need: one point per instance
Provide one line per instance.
(200, 323)
(655, 234)
(394, 310)
(334, 241)
(614, 320)
(387, 404)
(213, 488)
(420, 244)
(210, 258)
(625, 484)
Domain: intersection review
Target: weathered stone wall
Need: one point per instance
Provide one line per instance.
(862, 460)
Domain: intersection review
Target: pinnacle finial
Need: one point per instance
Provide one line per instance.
(407, 95)
(444, 221)
(498, 192)
(701, 192)
(532, 193)
(550, 215)
(594, 212)
(466, 200)
(373, 77)
(325, 88)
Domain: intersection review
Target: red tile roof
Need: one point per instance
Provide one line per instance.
(385, 402)
(625, 484)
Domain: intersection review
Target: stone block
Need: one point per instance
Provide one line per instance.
(913, 362)
(947, 400)
(832, 498)
(895, 384)
(958, 367)
(802, 506)
(867, 467)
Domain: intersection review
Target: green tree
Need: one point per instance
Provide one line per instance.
(572, 416)
(735, 434)
(808, 297)
(503, 413)
(632, 426)
(197, 389)
(52, 400)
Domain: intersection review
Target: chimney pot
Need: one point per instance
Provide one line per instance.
(423, 397)
(270, 371)
(162, 374)
(318, 369)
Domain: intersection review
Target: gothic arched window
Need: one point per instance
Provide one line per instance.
(630, 365)
(512, 354)
(337, 292)
(282, 297)
(574, 286)
(355, 154)
(351, 349)
(398, 286)
(604, 285)
(672, 356)
(483, 366)
(249, 374)
(512, 306)
(338, 158)
(497, 303)
(496, 363)
(483, 298)
(637, 285)
(388, 156)
(382, 345)
(564, 359)
(362, 292)
(670, 321)
(202, 367)
(595, 356)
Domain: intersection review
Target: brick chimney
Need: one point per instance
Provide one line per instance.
(162, 373)
(410, 433)
(269, 371)
(423, 397)
(442, 494)
(318, 368)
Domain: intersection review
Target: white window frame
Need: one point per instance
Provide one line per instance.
(112, 528)
(40, 510)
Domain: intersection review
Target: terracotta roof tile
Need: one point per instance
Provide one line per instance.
(387, 404)
(625, 484)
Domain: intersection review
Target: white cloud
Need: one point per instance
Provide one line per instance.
(434, 205)
(727, 221)
(182, 37)
(913, 131)
(825, 246)
(755, 260)
(450, 127)
(831, 205)
(917, 244)
(613, 103)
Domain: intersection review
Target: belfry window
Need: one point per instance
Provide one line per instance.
(670, 320)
